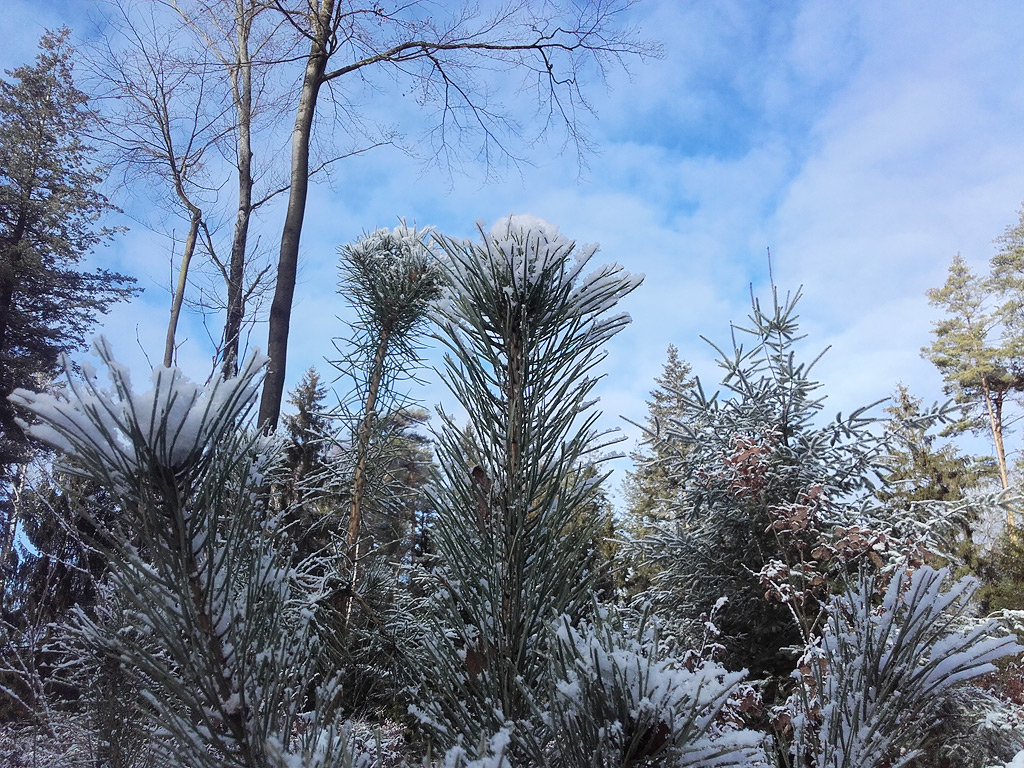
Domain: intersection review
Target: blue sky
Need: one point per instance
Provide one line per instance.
(863, 143)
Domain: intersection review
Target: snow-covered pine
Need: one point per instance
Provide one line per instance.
(523, 328)
(871, 686)
(618, 698)
(221, 620)
(390, 278)
(756, 448)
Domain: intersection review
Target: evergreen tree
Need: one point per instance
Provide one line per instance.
(975, 354)
(760, 479)
(887, 663)
(391, 278)
(305, 458)
(212, 619)
(651, 489)
(49, 209)
(523, 330)
(918, 470)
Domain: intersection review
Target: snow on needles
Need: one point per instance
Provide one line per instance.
(121, 434)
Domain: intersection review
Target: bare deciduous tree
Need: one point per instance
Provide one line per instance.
(451, 59)
(163, 125)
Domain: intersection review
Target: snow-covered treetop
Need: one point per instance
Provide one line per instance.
(122, 435)
(531, 259)
(391, 277)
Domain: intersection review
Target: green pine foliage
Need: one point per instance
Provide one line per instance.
(209, 614)
(523, 326)
(391, 278)
(975, 352)
(215, 620)
(763, 483)
(882, 669)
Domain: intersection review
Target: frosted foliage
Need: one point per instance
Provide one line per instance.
(217, 620)
(877, 674)
(618, 701)
(527, 253)
(391, 263)
(490, 754)
(122, 435)
(515, 530)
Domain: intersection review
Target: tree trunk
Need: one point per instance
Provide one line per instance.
(179, 292)
(994, 405)
(355, 517)
(287, 265)
(241, 87)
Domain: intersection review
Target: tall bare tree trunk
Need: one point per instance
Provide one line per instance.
(994, 405)
(241, 87)
(179, 291)
(287, 265)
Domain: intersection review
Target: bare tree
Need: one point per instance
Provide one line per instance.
(164, 124)
(184, 95)
(468, 69)
(450, 57)
(245, 49)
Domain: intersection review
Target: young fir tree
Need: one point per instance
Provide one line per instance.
(918, 470)
(310, 502)
(651, 489)
(524, 329)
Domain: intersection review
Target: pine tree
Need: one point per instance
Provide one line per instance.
(975, 354)
(49, 207)
(523, 329)
(652, 490)
(391, 278)
(211, 618)
(873, 685)
(759, 479)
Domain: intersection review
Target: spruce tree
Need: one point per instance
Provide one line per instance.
(918, 469)
(308, 501)
(50, 206)
(523, 328)
(760, 477)
(651, 490)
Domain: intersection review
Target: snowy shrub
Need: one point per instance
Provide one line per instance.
(874, 683)
(218, 620)
(618, 700)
